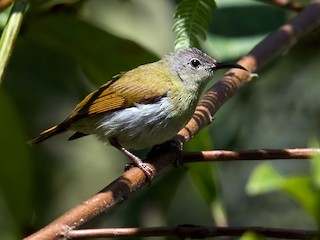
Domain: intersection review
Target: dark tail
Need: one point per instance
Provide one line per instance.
(47, 134)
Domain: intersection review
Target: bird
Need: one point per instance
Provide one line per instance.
(144, 106)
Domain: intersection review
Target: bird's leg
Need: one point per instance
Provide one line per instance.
(149, 172)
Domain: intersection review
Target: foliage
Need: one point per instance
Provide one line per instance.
(304, 189)
(204, 177)
(10, 33)
(64, 50)
(192, 19)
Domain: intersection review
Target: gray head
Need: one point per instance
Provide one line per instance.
(194, 66)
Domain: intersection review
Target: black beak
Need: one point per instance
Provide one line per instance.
(228, 65)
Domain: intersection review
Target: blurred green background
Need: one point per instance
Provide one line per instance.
(66, 48)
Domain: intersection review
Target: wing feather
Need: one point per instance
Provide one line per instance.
(120, 92)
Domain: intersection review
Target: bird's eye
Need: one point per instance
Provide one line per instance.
(195, 63)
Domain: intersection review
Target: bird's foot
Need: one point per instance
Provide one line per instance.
(148, 171)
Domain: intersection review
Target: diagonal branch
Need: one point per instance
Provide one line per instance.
(134, 179)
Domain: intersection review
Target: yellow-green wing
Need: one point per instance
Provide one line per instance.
(122, 91)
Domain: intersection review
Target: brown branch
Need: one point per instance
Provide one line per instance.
(191, 231)
(114, 193)
(261, 154)
(134, 179)
(290, 5)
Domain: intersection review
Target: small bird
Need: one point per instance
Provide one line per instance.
(143, 107)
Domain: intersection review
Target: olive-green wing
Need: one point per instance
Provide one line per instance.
(120, 92)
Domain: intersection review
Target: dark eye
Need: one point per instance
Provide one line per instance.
(195, 63)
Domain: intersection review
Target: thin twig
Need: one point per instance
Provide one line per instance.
(191, 231)
(261, 154)
(134, 179)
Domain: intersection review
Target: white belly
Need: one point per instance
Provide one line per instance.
(137, 127)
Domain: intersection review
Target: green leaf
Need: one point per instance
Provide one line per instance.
(251, 236)
(315, 166)
(315, 171)
(202, 173)
(263, 179)
(4, 15)
(192, 19)
(204, 177)
(301, 190)
(10, 33)
(16, 175)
